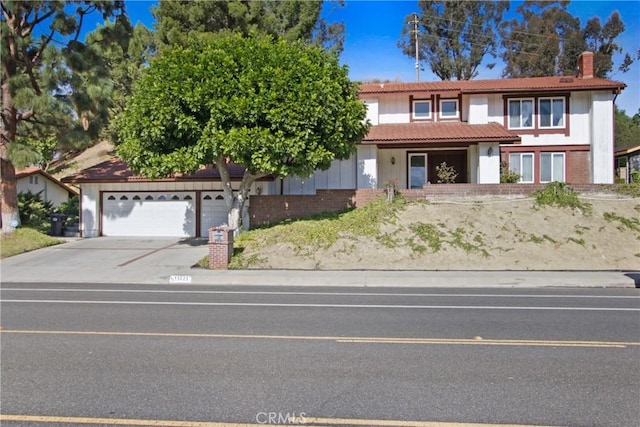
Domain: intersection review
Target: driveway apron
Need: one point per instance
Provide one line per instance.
(106, 260)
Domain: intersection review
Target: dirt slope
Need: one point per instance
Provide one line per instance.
(482, 234)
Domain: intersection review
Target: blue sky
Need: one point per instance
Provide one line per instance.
(373, 29)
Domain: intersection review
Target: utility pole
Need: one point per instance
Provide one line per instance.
(415, 32)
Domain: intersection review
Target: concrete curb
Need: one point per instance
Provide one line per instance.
(373, 278)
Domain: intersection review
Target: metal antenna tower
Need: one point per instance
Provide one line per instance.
(415, 33)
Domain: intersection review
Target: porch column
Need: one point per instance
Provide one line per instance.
(89, 210)
(367, 160)
(488, 163)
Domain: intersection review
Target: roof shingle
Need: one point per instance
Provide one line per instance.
(438, 133)
(116, 170)
(530, 84)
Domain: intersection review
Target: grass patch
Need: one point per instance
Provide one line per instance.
(632, 189)
(24, 239)
(459, 239)
(624, 223)
(429, 234)
(321, 231)
(558, 194)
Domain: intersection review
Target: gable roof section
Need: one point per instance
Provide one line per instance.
(435, 133)
(116, 170)
(530, 84)
(34, 170)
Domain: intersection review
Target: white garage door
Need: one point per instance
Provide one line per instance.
(149, 214)
(214, 211)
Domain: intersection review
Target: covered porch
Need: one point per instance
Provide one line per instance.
(407, 155)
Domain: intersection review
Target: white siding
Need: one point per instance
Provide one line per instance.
(367, 167)
(580, 117)
(392, 172)
(49, 190)
(341, 175)
(602, 143)
(489, 165)
(89, 210)
(372, 110)
(394, 109)
(495, 111)
(478, 110)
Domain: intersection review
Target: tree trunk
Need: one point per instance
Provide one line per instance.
(235, 200)
(10, 217)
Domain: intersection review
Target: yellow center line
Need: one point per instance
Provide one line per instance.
(348, 340)
(291, 421)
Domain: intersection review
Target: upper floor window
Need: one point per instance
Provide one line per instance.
(421, 110)
(449, 108)
(520, 113)
(551, 112)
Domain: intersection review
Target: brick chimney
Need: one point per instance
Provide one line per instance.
(585, 65)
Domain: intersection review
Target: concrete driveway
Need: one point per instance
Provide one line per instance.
(107, 260)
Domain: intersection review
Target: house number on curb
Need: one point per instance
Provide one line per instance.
(179, 279)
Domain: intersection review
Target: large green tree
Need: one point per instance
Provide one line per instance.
(54, 86)
(180, 22)
(547, 40)
(627, 130)
(454, 36)
(275, 107)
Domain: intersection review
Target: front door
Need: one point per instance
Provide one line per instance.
(417, 170)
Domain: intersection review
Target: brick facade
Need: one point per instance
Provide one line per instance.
(579, 167)
(270, 209)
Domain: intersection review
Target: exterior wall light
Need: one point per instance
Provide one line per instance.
(393, 160)
(490, 152)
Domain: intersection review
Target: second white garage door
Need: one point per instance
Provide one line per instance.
(214, 211)
(149, 214)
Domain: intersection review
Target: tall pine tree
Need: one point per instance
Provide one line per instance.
(53, 84)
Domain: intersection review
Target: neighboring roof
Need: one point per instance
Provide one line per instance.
(628, 150)
(438, 133)
(116, 170)
(34, 170)
(530, 84)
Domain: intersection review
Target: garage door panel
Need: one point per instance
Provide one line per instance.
(171, 215)
(213, 211)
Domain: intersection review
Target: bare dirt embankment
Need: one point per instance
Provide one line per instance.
(476, 234)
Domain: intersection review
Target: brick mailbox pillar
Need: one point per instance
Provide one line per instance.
(220, 247)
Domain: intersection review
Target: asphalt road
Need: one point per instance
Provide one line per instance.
(86, 353)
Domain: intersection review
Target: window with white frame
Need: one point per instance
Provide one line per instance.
(521, 114)
(552, 167)
(522, 164)
(551, 112)
(422, 110)
(449, 108)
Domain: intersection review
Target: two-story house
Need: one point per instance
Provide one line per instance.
(544, 128)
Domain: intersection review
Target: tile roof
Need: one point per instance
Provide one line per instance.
(438, 133)
(32, 170)
(530, 84)
(116, 170)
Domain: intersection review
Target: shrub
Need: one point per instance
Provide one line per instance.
(560, 195)
(507, 176)
(34, 212)
(71, 208)
(446, 174)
